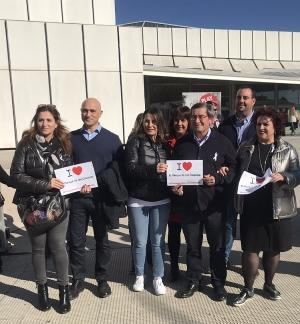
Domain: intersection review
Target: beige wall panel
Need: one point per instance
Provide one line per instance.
(101, 48)
(221, 43)
(261, 64)
(13, 9)
(65, 47)
(179, 41)
(133, 98)
(3, 48)
(164, 41)
(104, 12)
(208, 42)
(30, 88)
(45, 10)
(6, 120)
(234, 44)
(296, 46)
(105, 86)
(285, 46)
(193, 42)
(79, 11)
(150, 40)
(68, 92)
(272, 45)
(27, 45)
(259, 45)
(131, 49)
(246, 44)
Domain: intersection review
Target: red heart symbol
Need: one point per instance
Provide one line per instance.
(187, 165)
(260, 180)
(77, 170)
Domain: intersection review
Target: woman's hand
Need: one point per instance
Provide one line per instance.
(85, 189)
(224, 171)
(209, 180)
(277, 177)
(56, 184)
(177, 190)
(161, 167)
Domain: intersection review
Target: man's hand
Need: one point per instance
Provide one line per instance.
(177, 190)
(161, 167)
(209, 180)
(85, 189)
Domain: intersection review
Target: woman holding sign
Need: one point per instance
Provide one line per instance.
(266, 214)
(43, 148)
(148, 204)
(178, 127)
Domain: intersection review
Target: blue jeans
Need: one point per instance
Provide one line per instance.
(151, 221)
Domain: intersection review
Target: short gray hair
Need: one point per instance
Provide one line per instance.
(209, 108)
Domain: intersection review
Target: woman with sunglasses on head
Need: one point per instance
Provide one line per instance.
(148, 204)
(44, 147)
(266, 214)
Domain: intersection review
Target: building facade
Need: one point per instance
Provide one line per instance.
(62, 51)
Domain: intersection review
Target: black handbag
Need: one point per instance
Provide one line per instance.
(2, 200)
(42, 213)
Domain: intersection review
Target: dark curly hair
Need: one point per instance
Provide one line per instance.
(180, 113)
(61, 132)
(274, 116)
(160, 122)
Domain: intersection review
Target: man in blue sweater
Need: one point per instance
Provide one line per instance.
(93, 143)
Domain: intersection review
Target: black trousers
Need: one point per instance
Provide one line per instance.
(82, 209)
(214, 225)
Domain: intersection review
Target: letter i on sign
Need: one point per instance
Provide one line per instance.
(178, 166)
(69, 173)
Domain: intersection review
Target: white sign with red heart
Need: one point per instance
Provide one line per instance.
(75, 176)
(185, 172)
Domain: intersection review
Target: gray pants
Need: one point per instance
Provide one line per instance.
(55, 239)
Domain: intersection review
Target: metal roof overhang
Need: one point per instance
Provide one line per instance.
(265, 76)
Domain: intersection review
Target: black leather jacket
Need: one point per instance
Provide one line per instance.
(141, 159)
(29, 172)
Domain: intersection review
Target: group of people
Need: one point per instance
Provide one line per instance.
(247, 141)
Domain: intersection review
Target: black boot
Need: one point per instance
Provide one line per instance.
(64, 299)
(44, 303)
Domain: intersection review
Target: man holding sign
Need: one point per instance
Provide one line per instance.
(91, 143)
(203, 203)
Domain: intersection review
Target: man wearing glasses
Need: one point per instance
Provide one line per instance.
(93, 143)
(203, 205)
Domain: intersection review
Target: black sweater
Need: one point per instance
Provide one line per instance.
(216, 152)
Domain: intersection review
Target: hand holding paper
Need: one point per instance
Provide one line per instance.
(250, 182)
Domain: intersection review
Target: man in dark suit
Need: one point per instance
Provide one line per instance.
(237, 128)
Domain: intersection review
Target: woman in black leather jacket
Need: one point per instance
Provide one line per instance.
(43, 148)
(148, 204)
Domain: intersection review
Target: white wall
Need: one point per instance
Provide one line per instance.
(70, 11)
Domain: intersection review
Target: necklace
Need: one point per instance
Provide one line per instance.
(263, 165)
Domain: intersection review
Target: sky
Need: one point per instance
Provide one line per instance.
(277, 15)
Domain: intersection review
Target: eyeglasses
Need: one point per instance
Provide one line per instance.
(201, 117)
(41, 106)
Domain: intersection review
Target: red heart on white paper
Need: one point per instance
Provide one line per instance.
(187, 165)
(77, 170)
(260, 180)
